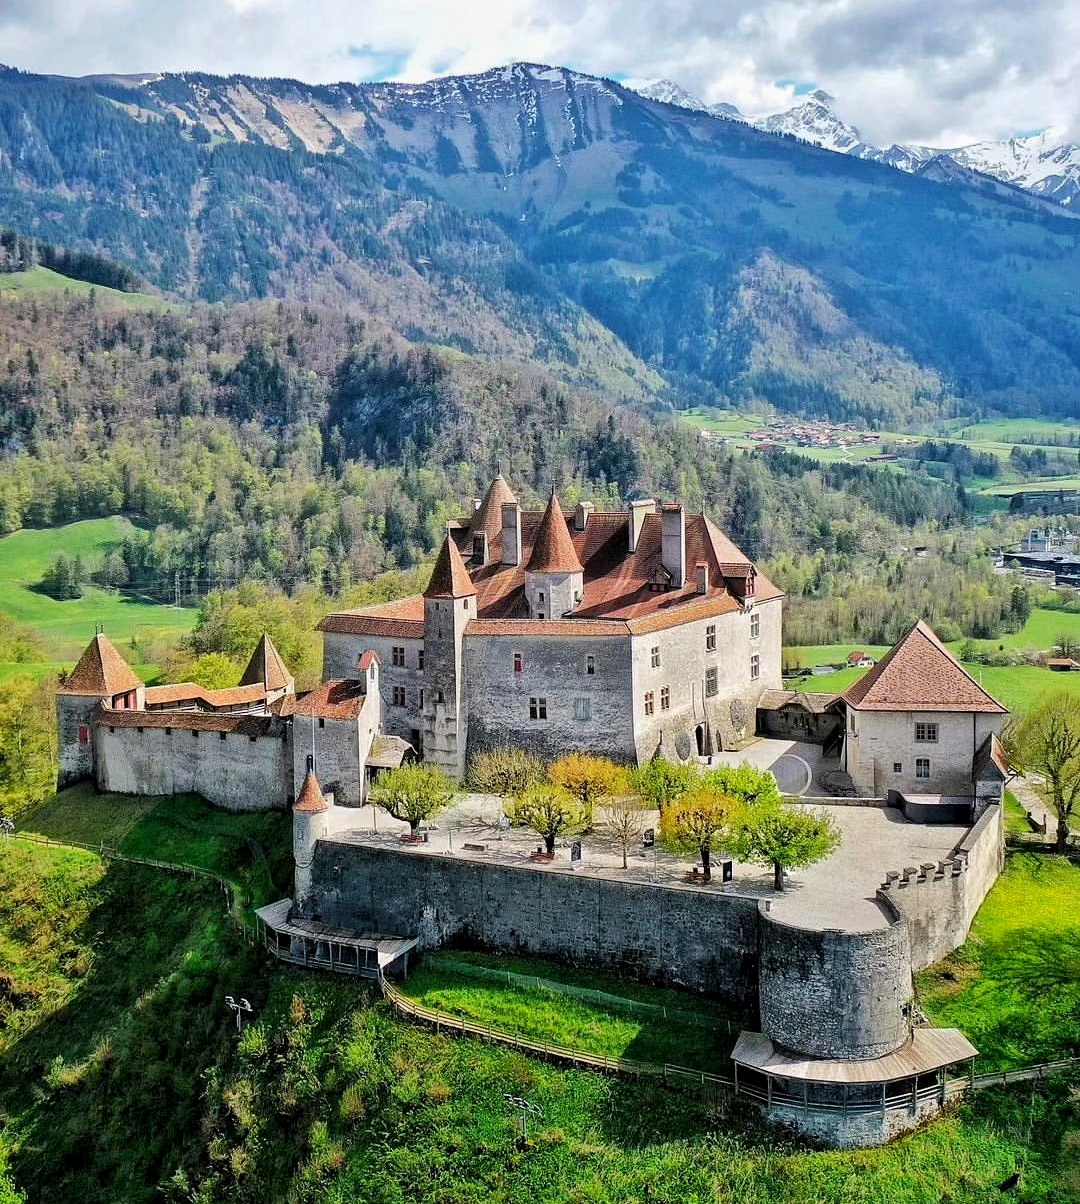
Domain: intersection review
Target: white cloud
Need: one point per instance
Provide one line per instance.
(934, 71)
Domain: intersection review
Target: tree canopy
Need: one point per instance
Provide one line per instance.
(550, 811)
(699, 822)
(784, 838)
(1045, 744)
(413, 793)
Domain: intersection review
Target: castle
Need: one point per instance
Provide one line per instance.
(631, 634)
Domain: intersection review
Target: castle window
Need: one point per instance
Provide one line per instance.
(421, 699)
(665, 698)
(582, 709)
(540, 598)
(222, 735)
(439, 697)
(537, 708)
(195, 734)
(399, 696)
(755, 667)
(397, 655)
(712, 682)
(755, 625)
(84, 734)
(590, 666)
(654, 656)
(112, 729)
(648, 702)
(710, 638)
(926, 733)
(922, 767)
(420, 659)
(897, 767)
(322, 721)
(168, 732)
(519, 662)
(252, 739)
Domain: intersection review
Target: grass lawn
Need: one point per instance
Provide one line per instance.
(1014, 987)
(41, 281)
(565, 1020)
(829, 654)
(68, 627)
(1049, 484)
(251, 850)
(1016, 430)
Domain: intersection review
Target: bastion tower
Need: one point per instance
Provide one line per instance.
(449, 607)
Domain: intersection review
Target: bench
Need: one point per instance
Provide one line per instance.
(474, 848)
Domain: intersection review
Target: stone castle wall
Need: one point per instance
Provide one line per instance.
(238, 773)
(702, 941)
(74, 719)
(939, 901)
(340, 656)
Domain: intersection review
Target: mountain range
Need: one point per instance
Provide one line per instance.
(1039, 163)
(645, 252)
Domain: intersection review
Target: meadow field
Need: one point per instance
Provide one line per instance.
(68, 626)
(43, 282)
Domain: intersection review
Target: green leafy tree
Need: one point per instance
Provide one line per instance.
(661, 782)
(506, 771)
(589, 779)
(699, 822)
(412, 793)
(751, 786)
(784, 838)
(550, 811)
(1045, 743)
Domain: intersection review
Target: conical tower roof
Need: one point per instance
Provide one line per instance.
(266, 667)
(450, 577)
(553, 551)
(101, 671)
(311, 799)
(488, 518)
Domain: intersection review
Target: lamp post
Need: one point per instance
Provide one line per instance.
(526, 1109)
(239, 1008)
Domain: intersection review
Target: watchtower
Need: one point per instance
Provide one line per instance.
(449, 607)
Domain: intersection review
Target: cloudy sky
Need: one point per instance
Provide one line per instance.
(941, 72)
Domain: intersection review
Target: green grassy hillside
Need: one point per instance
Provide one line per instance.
(122, 1080)
(43, 282)
(68, 626)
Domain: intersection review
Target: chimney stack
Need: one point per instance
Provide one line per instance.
(511, 533)
(638, 511)
(703, 578)
(673, 542)
(581, 515)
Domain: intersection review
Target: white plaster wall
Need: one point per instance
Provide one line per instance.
(237, 773)
(882, 738)
(684, 660)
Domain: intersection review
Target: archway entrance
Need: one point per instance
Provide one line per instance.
(699, 734)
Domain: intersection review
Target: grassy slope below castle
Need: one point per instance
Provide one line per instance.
(329, 1098)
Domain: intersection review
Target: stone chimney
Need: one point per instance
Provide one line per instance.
(673, 542)
(477, 502)
(638, 510)
(702, 578)
(581, 515)
(479, 547)
(511, 533)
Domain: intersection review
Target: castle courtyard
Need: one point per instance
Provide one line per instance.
(836, 893)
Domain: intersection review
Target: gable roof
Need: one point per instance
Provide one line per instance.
(553, 551)
(101, 672)
(311, 798)
(266, 667)
(449, 577)
(920, 674)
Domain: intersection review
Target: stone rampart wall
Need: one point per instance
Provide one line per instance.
(701, 940)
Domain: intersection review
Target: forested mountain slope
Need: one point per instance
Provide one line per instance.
(533, 213)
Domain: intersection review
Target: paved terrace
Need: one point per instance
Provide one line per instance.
(836, 893)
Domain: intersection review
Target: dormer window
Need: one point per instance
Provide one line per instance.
(660, 579)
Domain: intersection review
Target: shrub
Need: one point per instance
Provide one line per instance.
(506, 771)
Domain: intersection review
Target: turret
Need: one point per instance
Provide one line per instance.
(102, 677)
(449, 607)
(311, 823)
(554, 578)
(266, 668)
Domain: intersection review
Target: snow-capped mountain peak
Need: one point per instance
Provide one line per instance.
(1042, 163)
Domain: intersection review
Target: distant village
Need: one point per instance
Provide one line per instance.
(784, 432)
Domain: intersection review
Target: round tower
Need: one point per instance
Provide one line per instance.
(554, 577)
(311, 823)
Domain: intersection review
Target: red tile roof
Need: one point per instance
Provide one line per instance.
(488, 518)
(553, 551)
(616, 582)
(334, 699)
(199, 721)
(101, 672)
(367, 659)
(266, 667)
(188, 691)
(450, 577)
(920, 674)
(311, 799)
